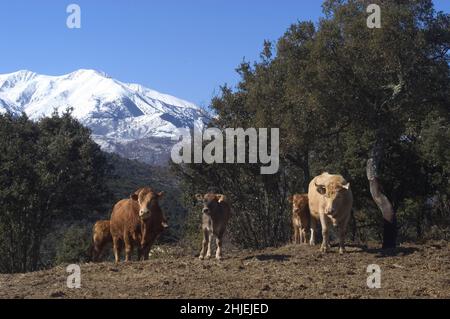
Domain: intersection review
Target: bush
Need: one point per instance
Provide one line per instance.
(75, 245)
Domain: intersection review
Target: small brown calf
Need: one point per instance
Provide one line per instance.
(300, 217)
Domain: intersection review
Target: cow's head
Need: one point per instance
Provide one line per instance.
(148, 201)
(299, 202)
(210, 202)
(333, 193)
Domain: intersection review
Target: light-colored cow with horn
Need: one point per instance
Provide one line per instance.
(330, 201)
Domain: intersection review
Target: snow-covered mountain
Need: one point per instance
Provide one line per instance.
(129, 119)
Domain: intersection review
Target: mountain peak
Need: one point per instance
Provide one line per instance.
(117, 113)
(21, 75)
(23, 72)
(88, 72)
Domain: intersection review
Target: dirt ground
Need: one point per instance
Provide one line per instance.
(412, 271)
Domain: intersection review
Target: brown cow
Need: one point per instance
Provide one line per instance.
(137, 221)
(300, 217)
(330, 200)
(101, 236)
(216, 213)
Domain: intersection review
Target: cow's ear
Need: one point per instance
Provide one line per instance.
(290, 199)
(221, 198)
(160, 194)
(134, 196)
(198, 197)
(346, 186)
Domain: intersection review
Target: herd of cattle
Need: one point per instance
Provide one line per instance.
(139, 220)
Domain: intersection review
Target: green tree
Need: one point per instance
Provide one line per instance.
(18, 185)
(75, 245)
(51, 174)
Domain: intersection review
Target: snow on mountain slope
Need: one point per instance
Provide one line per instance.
(118, 114)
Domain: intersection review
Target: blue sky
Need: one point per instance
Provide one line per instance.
(180, 47)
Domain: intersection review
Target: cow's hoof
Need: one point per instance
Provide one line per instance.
(219, 258)
(341, 251)
(208, 257)
(324, 249)
(200, 257)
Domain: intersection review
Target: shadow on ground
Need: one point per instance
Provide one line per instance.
(269, 257)
(392, 252)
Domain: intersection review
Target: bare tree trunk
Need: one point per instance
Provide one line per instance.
(383, 203)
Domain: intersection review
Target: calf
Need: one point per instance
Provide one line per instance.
(330, 200)
(101, 236)
(137, 221)
(216, 213)
(300, 217)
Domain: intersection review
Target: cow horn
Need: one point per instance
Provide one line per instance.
(221, 198)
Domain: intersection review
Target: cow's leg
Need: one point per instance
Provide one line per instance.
(342, 232)
(208, 253)
(295, 234)
(219, 247)
(204, 243)
(128, 248)
(312, 240)
(325, 222)
(303, 232)
(98, 248)
(139, 252)
(116, 248)
(104, 251)
(147, 247)
(94, 255)
(145, 252)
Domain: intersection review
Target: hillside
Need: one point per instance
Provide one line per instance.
(413, 271)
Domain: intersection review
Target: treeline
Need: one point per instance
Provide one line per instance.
(365, 103)
(51, 173)
(55, 182)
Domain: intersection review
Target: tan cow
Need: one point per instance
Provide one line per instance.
(216, 213)
(330, 201)
(137, 221)
(101, 236)
(300, 217)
